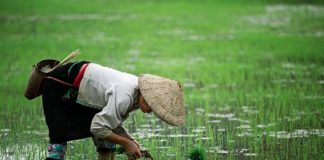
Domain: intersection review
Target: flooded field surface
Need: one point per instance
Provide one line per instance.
(253, 74)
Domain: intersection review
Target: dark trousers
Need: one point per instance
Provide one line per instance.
(66, 120)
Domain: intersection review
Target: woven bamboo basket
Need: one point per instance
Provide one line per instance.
(37, 76)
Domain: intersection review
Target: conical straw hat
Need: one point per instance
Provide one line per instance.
(164, 96)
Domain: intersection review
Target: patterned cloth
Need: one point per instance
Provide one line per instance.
(56, 151)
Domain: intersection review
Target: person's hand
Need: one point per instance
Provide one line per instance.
(132, 151)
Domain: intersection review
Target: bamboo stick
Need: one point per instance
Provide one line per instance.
(66, 59)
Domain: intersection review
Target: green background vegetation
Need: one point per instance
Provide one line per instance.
(253, 72)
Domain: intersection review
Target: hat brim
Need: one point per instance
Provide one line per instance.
(164, 96)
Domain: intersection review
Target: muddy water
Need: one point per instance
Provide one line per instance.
(220, 130)
(218, 134)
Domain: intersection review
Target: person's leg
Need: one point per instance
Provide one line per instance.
(55, 111)
(55, 117)
(79, 121)
(106, 155)
(56, 151)
(65, 119)
(105, 149)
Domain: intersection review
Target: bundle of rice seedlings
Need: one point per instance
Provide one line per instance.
(197, 153)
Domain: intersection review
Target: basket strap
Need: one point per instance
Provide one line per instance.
(57, 80)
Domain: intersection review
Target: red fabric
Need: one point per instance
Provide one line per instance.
(78, 78)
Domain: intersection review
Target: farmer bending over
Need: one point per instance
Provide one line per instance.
(98, 102)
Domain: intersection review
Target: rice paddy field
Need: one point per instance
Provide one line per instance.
(252, 71)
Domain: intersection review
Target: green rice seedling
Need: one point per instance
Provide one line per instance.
(252, 72)
(197, 153)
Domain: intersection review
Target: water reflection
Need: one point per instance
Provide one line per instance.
(203, 138)
(229, 127)
(249, 110)
(238, 152)
(266, 125)
(221, 130)
(245, 134)
(163, 147)
(250, 154)
(217, 115)
(215, 121)
(221, 151)
(36, 133)
(320, 82)
(243, 126)
(181, 135)
(162, 140)
(300, 133)
(189, 85)
(4, 132)
(19, 151)
(199, 130)
(291, 119)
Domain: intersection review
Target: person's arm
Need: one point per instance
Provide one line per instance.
(131, 148)
(120, 130)
(110, 117)
(104, 122)
(101, 131)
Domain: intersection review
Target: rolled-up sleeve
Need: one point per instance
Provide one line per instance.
(111, 116)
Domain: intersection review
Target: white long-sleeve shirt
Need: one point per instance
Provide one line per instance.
(111, 91)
